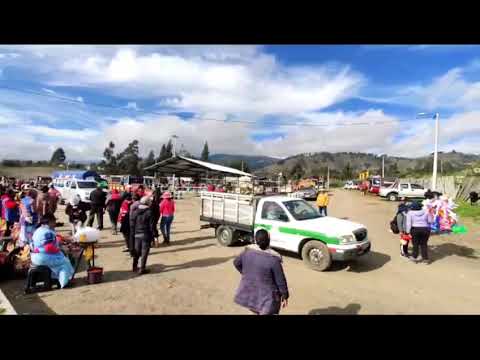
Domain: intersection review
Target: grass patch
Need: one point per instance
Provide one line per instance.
(466, 210)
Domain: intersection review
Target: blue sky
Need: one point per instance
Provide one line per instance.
(264, 100)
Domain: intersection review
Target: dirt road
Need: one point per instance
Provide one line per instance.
(196, 276)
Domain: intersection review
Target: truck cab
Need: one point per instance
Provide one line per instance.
(295, 225)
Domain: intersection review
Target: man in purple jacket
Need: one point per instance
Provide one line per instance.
(263, 288)
(418, 225)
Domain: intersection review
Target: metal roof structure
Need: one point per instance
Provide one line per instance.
(183, 166)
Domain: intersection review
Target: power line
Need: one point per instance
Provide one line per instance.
(264, 122)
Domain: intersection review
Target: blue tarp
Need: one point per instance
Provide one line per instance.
(76, 174)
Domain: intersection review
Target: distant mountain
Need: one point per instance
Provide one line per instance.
(349, 164)
(253, 162)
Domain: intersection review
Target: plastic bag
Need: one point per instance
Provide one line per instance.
(459, 229)
(87, 234)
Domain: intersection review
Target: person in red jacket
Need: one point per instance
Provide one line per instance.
(113, 204)
(167, 211)
(10, 211)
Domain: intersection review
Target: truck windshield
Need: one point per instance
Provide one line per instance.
(301, 210)
(87, 184)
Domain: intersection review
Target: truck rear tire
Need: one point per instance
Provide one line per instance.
(316, 256)
(392, 197)
(225, 236)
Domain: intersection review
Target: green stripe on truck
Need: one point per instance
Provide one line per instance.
(310, 234)
(263, 226)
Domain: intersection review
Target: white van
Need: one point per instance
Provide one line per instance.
(70, 187)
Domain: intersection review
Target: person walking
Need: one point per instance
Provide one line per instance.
(401, 219)
(113, 203)
(263, 288)
(124, 220)
(155, 207)
(28, 217)
(418, 226)
(53, 197)
(97, 202)
(167, 212)
(141, 234)
(77, 212)
(42, 202)
(322, 202)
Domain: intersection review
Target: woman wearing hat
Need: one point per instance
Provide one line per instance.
(167, 211)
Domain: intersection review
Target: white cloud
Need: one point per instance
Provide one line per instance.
(451, 90)
(252, 82)
(221, 82)
(77, 134)
(455, 132)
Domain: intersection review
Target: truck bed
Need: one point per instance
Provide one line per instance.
(224, 208)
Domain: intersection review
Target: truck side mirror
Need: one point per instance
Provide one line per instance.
(283, 217)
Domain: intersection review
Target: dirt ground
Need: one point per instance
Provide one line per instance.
(196, 276)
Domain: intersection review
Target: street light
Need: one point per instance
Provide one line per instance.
(436, 116)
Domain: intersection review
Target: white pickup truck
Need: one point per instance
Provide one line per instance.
(293, 224)
(402, 190)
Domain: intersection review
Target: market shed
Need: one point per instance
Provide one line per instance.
(185, 167)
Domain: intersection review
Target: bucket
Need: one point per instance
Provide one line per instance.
(95, 275)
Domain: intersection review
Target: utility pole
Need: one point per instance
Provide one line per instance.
(328, 177)
(435, 154)
(383, 167)
(242, 165)
(174, 152)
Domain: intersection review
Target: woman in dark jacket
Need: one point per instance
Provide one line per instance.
(155, 208)
(263, 288)
(141, 234)
(124, 220)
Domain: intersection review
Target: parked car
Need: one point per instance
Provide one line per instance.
(402, 190)
(351, 185)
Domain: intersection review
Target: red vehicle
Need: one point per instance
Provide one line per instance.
(375, 184)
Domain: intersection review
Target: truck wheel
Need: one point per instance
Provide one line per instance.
(225, 236)
(392, 197)
(316, 256)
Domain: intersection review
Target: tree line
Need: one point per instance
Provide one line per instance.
(130, 162)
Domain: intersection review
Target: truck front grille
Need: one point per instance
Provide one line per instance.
(360, 234)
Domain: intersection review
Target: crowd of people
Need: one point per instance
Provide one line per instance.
(136, 215)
